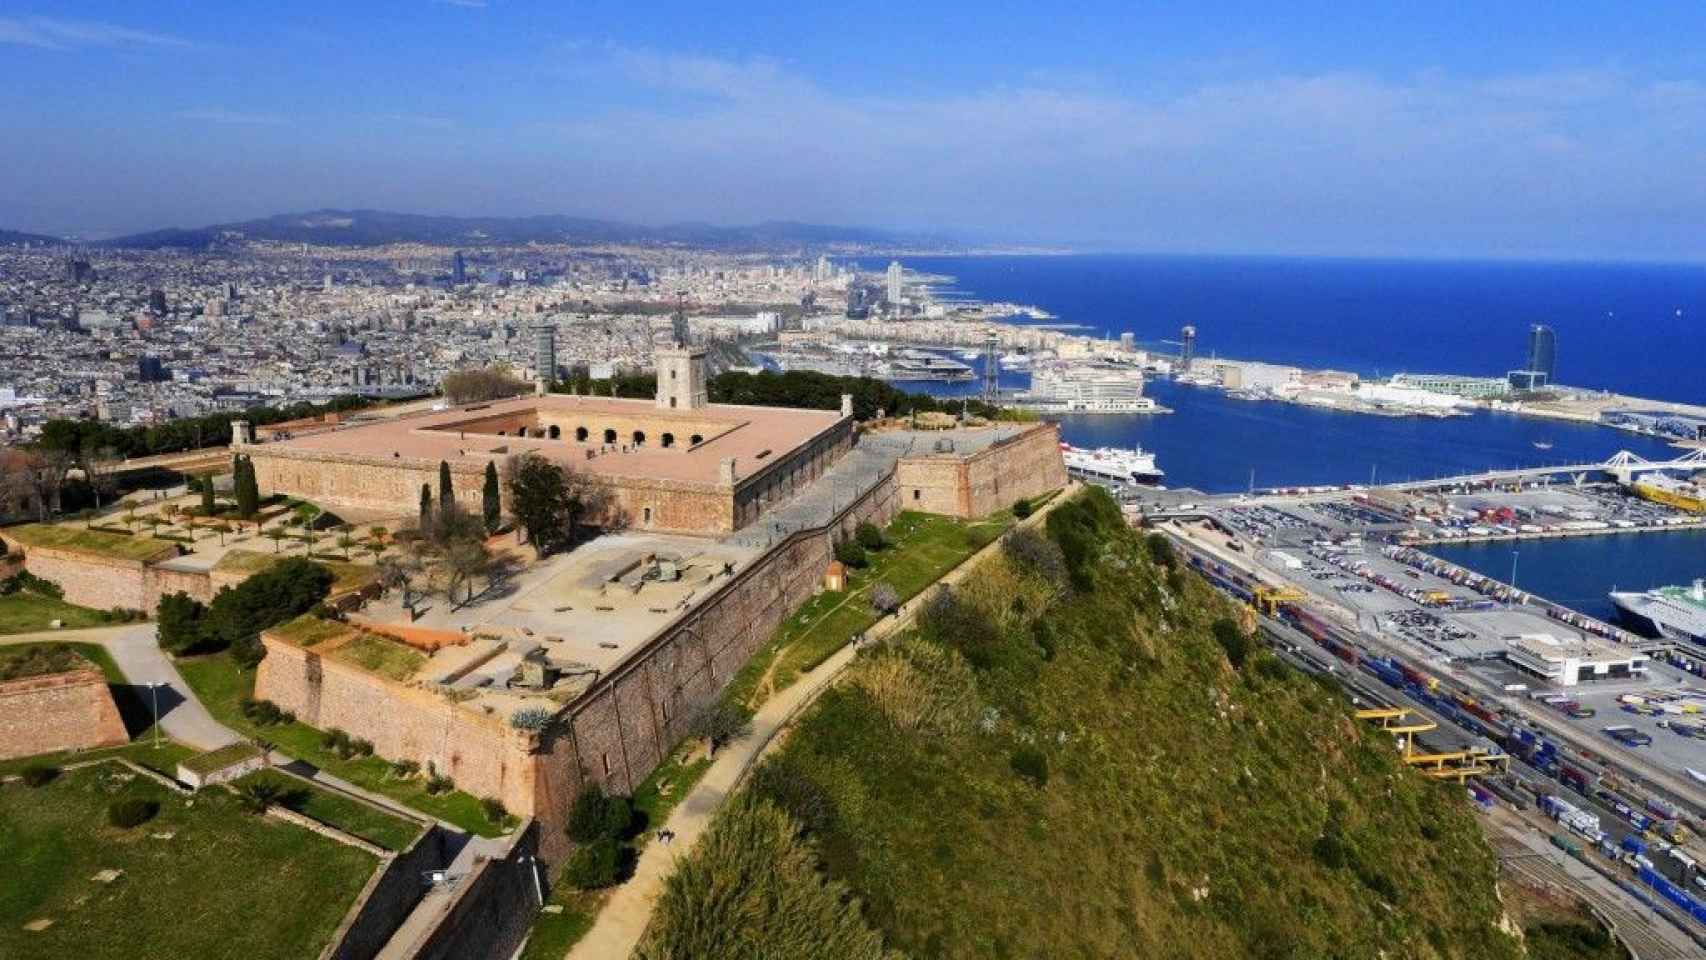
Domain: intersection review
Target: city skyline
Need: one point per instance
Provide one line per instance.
(1344, 132)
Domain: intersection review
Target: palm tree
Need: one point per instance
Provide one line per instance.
(276, 534)
(345, 541)
(222, 528)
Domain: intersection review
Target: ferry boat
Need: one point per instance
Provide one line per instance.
(1542, 444)
(1681, 494)
(1674, 613)
(1111, 466)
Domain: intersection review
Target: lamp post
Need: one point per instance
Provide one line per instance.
(1513, 576)
(155, 688)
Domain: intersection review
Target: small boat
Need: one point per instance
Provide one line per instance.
(1696, 774)
(1542, 444)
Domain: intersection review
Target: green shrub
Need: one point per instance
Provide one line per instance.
(40, 774)
(949, 620)
(593, 865)
(850, 553)
(869, 536)
(1030, 763)
(263, 713)
(1021, 508)
(1034, 553)
(405, 769)
(259, 794)
(335, 740)
(131, 812)
(1231, 638)
(594, 816)
(437, 783)
(180, 619)
(1160, 550)
(361, 748)
(494, 809)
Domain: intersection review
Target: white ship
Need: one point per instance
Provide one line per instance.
(1674, 613)
(1088, 389)
(1111, 466)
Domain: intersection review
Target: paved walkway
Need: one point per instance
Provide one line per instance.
(622, 922)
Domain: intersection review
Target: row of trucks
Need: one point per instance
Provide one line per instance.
(1566, 706)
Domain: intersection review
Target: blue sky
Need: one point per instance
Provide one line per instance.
(1511, 130)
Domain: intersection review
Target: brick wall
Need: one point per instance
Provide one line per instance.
(481, 753)
(159, 582)
(61, 711)
(89, 580)
(1026, 465)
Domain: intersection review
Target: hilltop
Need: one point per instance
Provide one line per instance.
(1080, 755)
(357, 228)
(13, 238)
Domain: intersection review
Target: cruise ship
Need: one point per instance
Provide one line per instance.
(1675, 613)
(1087, 390)
(1111, 466)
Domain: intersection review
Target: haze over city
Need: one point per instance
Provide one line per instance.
(1521, 131)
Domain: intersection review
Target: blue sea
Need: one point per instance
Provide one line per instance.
(1629, 328)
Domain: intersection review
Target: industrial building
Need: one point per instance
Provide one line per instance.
(1566, 662)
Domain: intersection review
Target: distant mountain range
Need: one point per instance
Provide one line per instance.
(361, 228)
(12, 238)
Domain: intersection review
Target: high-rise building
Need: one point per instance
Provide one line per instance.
(151, 370)
(157, 302)
(545, 351)
(821, 269)
(1187, 347)
(78, 270)
(894, 282)
(1542, 351)
(458, 268)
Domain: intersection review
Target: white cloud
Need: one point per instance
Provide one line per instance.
(50, 33)
(221, 115)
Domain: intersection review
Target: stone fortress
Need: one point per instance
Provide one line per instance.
(723, 518)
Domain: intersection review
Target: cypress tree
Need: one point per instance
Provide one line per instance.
(446, 496)
(248, 492)
(490, 504)
(426, 508)
(207, 495)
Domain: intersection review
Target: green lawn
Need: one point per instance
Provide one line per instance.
(163, 758)
(386, 658)
(349, 815)
(26, 612)
(922, 548)
(221, 686)
(554, 933)
(80, 539)
(226, 884)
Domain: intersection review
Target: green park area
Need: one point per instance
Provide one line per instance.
(199, 877)
(25, 611)
(102, 543)
(223, 687)
(918, 550)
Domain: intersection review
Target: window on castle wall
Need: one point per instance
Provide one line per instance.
(639, 437)
(609, 436)
(668, 439)
(555, 432)
(695, 440)
(917, 494)
(580, 434)
(605, 757)
(647, 514)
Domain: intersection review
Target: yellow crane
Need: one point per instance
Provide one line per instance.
(1267, 599)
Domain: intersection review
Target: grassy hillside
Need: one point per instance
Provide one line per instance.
(1063, 762)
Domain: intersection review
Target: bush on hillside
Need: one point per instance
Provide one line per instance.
(869, 536)
(851, 554)
(1034, 553)
(131, 812)
(718, 723)
(1080, 528)
(751, 889)
(949, 620)
(238, 614)
(594, 816)
(1231, 638)
(1160, 550)
(1030, 763)
(594, 865)
(1022, 508)
(39, 774)
(494, 810)
(884, 598)
(919, 685)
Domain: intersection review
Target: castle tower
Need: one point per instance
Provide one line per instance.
(680, 365)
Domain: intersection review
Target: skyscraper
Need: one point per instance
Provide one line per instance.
(1187, 347)
(1542, 350)
(545, 352)
(458, 269)
(894, 277)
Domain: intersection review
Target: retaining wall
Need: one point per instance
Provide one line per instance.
(60, 711)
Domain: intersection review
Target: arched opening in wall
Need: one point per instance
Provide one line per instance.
(639, 437)
(646, 514)
(500, 433)
(695, 440)
(554, 432)
(672, 403)
(668, 439)
(609, 436)
(580, 434)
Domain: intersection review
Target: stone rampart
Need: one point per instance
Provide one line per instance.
(389, 897)
(61, 711)
(481, 753)
(91, 580)
(491, 910)
(976, 485)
